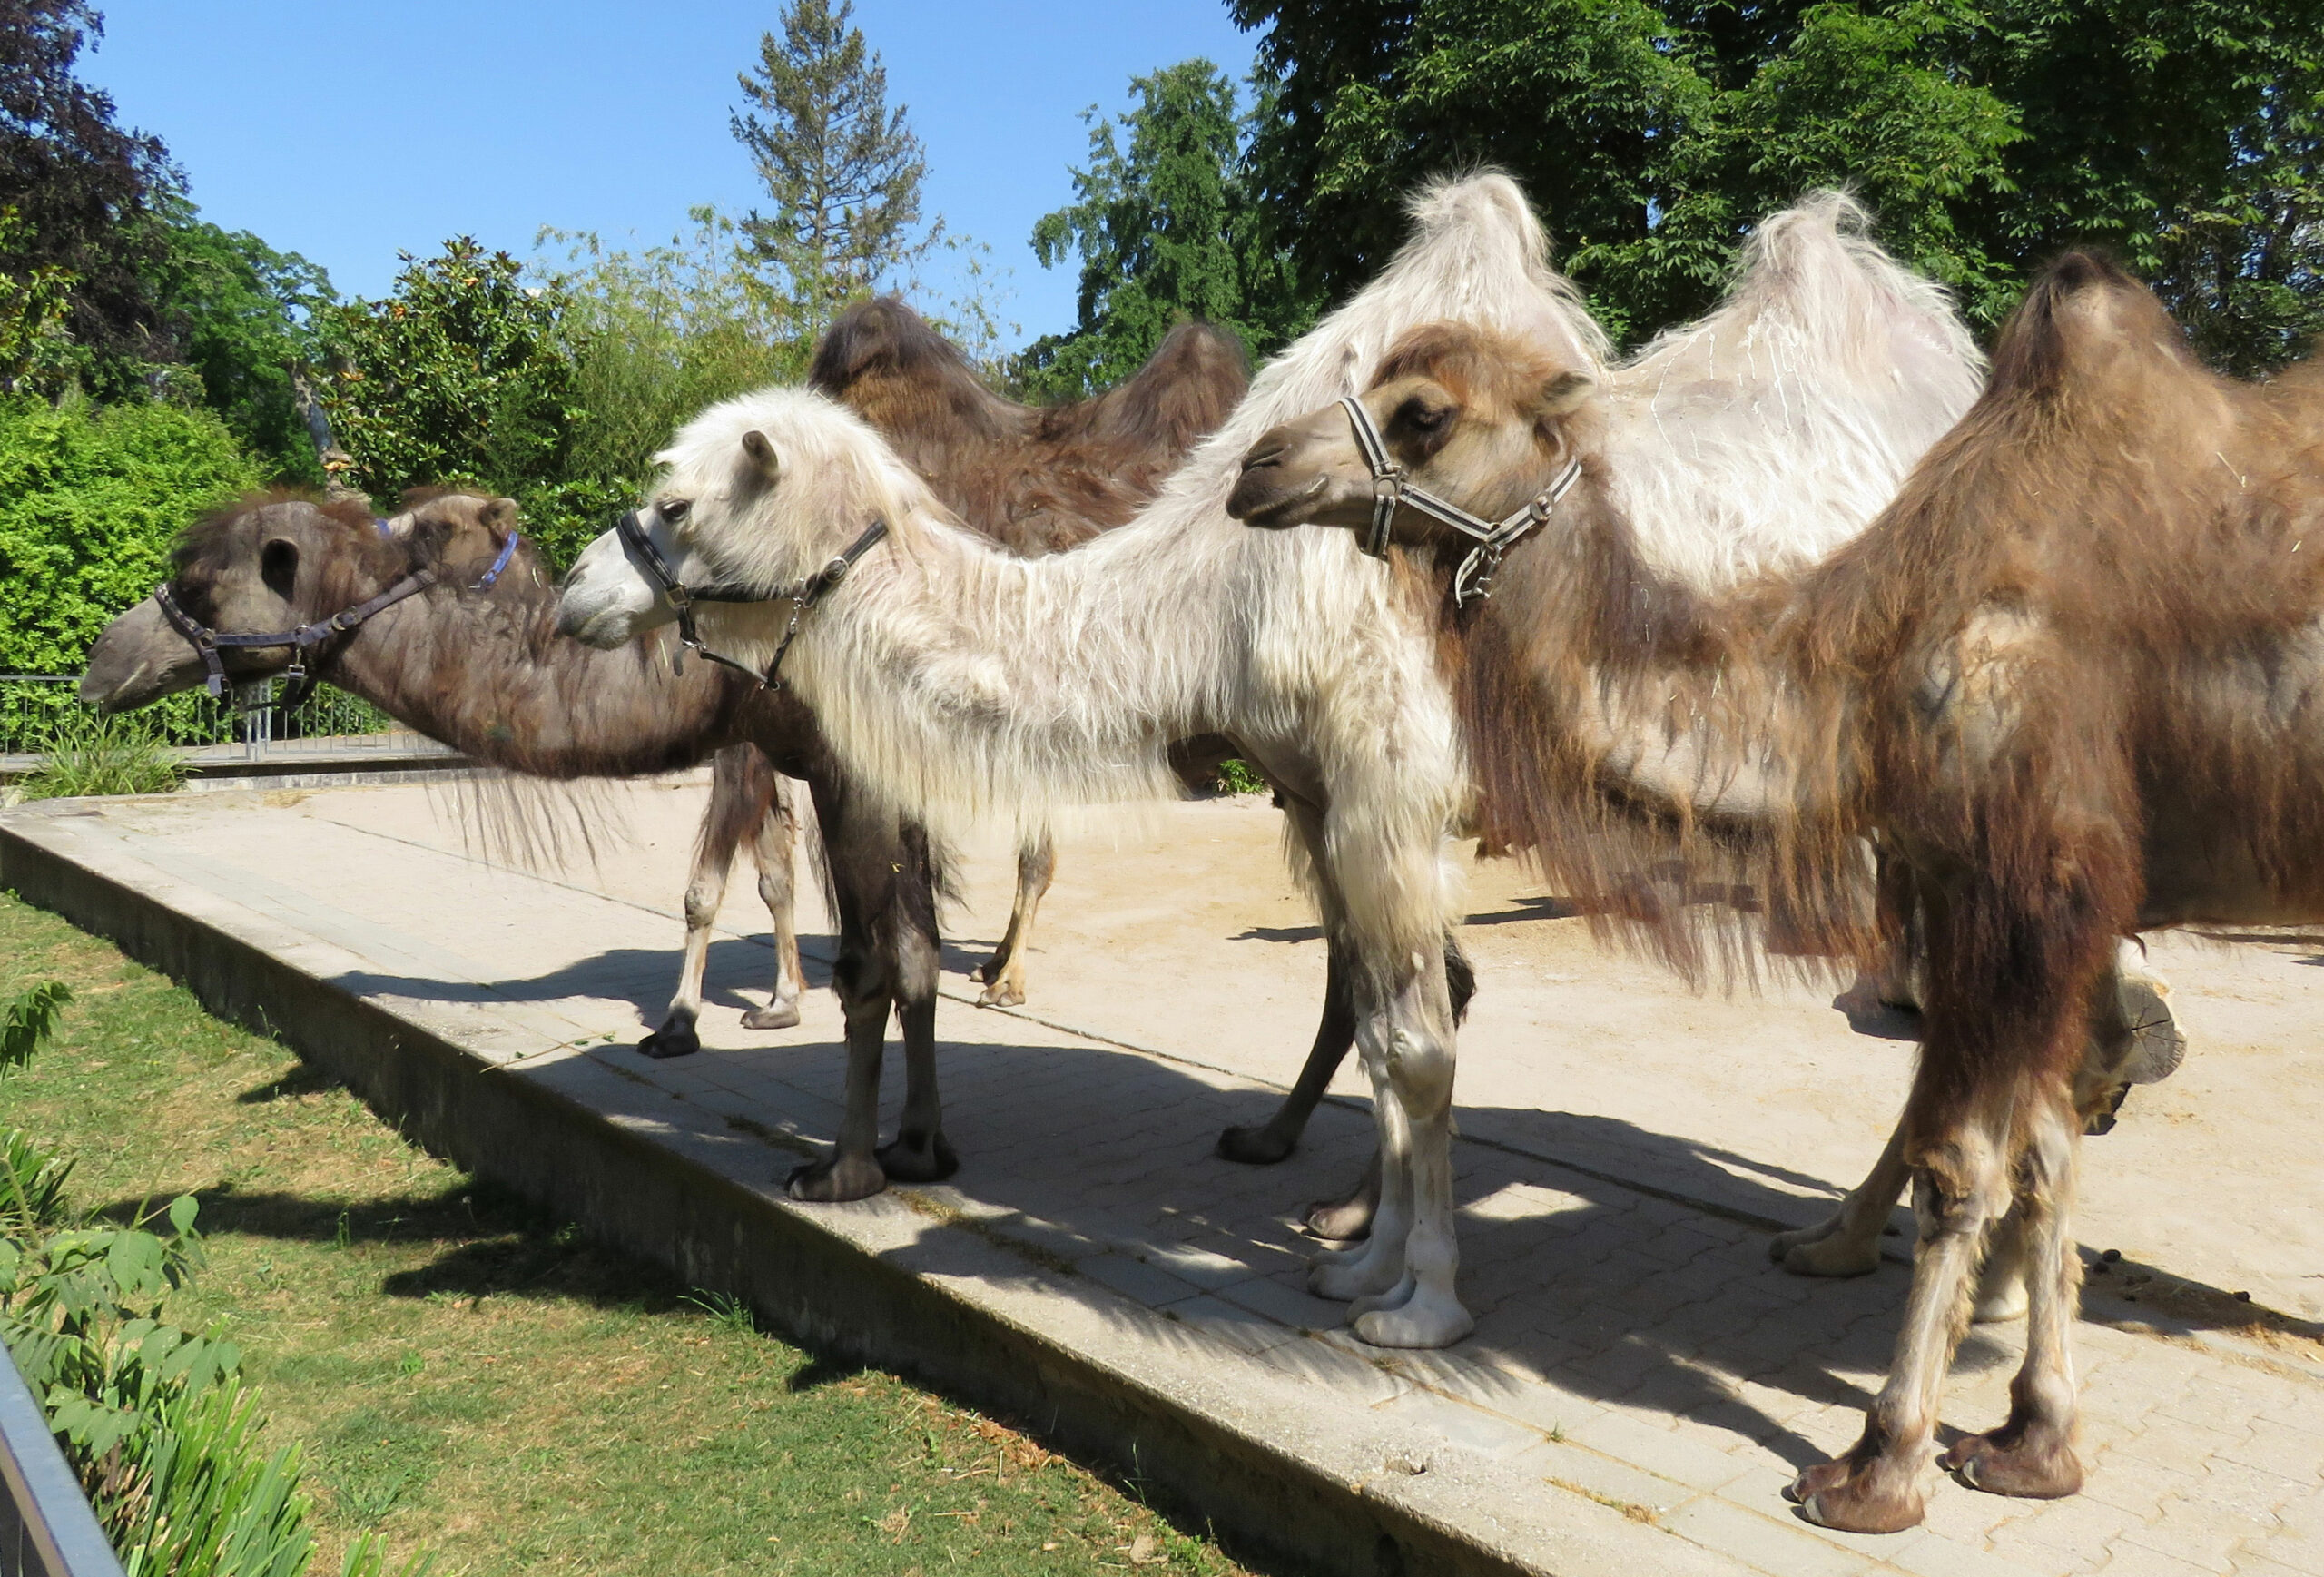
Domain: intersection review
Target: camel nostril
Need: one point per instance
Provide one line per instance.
(1259, 457)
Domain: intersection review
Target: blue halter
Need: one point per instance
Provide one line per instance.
(507, 551)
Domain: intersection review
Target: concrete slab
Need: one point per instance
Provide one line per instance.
(1641, 1382)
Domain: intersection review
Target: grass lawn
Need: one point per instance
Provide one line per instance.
(463, 1375)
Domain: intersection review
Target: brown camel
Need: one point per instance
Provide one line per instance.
(2069, 677)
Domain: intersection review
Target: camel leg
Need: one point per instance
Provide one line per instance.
(1849, 1242)
(878, 875)
(2011, 986)
(920, 1153)
(1264, 1146)
(1377, 1267)
(2032, 1454)
(1956, 1201)
(1003, 973)
(1413, 1030)
(774, 848)
(1350, 1216)
(739, 779)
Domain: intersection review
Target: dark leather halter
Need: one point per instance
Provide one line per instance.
(802, 595)
(1391, 485)
(207, 641)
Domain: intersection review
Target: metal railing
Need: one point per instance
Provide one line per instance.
(46, 1528)
(36, 709)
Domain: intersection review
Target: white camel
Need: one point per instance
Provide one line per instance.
(961, 682)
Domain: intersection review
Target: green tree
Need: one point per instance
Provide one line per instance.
(244, 317)
(91, 498)
(1166, 229)
(460, 376)
(843, 169)
(1987, 134)
(83, 189)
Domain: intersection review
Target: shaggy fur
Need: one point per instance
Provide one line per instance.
(961, 682)
(2068, 677)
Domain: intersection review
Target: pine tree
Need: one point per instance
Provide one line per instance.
(1166, 229)
(843, 170)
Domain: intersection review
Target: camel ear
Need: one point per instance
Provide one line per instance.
(1564, 394)
(499, 516)
(762, 453)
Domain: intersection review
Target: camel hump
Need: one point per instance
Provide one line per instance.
(2087, 314)
(1185, 390)
(883, 336)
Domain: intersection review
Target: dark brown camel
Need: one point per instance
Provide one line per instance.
(2070, 678)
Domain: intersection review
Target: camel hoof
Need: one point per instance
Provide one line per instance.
(1001, 993)
(1339, 1220)
(919, 1158)
(774, 1016)
(1343, 1280)
(1823, 1251)
(1851, 1500)
(1395, 1297)
(2030, 1463)
(836, 1179)
(1255, 1146)
(1420, 1322)
(674, 1038)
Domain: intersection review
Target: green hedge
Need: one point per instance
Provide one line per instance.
(90, 499)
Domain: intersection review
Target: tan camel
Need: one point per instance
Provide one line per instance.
(2071, 677)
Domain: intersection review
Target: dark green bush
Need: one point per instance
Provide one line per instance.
(90, 499)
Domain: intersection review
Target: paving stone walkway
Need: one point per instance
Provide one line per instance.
(1642, 1382)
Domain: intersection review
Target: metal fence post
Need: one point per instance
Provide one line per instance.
(46, 1528)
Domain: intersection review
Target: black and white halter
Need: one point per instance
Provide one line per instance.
(1391, 485)
(802, 595)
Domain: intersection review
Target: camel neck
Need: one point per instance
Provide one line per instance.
(953, 673)
(485, 673)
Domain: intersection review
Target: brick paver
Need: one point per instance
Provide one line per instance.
(1633, 1349)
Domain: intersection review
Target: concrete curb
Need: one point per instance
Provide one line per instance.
(648, 1184)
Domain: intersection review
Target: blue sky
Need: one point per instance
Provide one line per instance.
(349, 132)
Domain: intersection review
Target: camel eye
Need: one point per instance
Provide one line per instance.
(1423, 417)
(673, 509)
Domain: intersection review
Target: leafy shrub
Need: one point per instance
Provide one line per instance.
(93, 754)
(29, 1019)
(1236, 776)
(90, 500)
(154, 1419)
(457, 377)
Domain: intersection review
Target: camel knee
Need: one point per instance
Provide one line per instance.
(703, 899)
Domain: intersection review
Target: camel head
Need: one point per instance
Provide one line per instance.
(757, 493)
(1479, 418)
(275, 563)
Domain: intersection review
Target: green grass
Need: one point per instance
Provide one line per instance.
(465, 1377)
(89, 754)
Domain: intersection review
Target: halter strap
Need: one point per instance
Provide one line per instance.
(802, 595)
(1391, 485)
(507, 552)
(207, 641)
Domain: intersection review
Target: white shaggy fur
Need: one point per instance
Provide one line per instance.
(960, 680)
